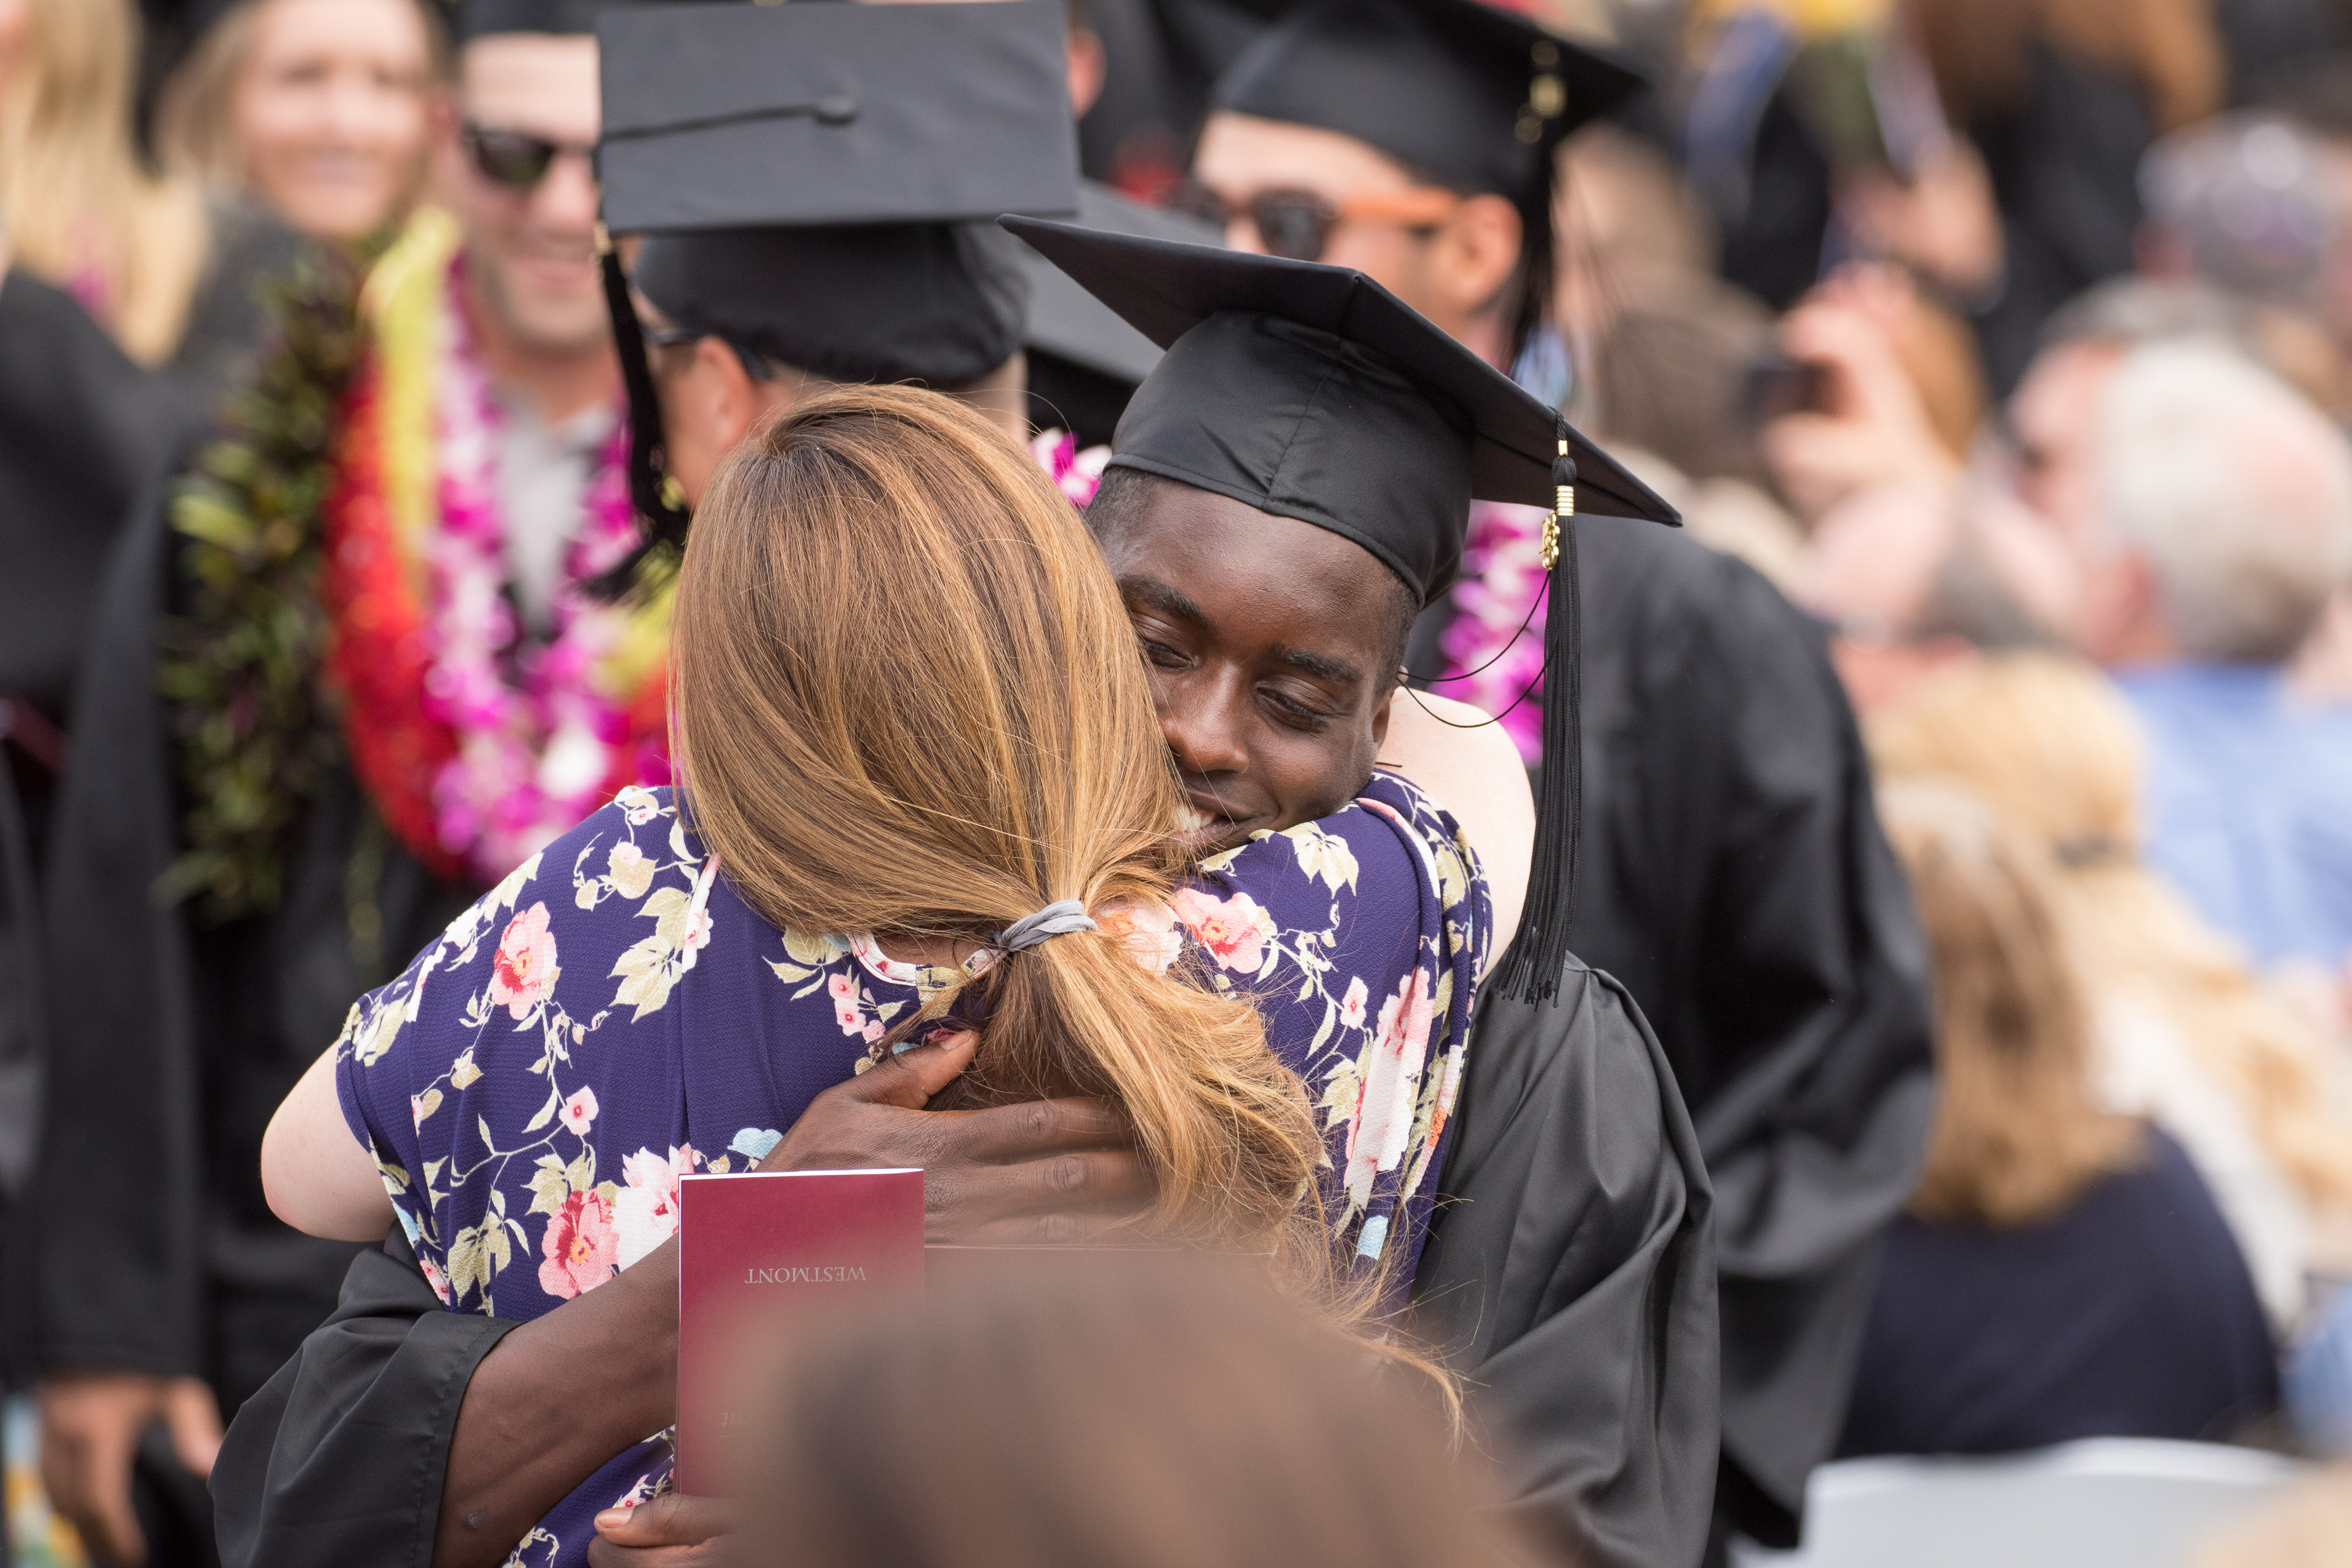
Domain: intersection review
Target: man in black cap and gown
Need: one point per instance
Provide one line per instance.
(1731, 873)
(1598, 1128)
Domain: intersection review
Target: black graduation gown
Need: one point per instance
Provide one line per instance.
(152, 1248)
(1568, 1275)
(80, 426)
(1732, 876)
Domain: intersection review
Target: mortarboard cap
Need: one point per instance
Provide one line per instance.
(816, 183)
(729, 116)
(1472, 93)
(814, 178)
(1311, 392)
(1463, 93)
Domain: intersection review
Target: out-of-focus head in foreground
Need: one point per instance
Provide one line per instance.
(1139, 1410)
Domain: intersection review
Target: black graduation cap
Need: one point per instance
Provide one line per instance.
(1461, 91)
(813, 184)
(1472, 91)
(729, 115)
(1311, 392)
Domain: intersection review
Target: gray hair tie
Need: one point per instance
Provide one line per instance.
(1058, 919)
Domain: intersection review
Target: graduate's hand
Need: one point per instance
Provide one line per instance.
(672, 1531)
(91, 1426)
(1048, 1171)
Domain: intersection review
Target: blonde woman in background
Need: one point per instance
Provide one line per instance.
(321, 110)
(81, 211)
(2062, 1271)
(2187, 1034)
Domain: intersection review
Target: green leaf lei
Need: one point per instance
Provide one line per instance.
(239, 667)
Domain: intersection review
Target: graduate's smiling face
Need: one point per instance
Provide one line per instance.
(1271, 646)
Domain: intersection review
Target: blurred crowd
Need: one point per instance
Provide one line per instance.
(2011, 340)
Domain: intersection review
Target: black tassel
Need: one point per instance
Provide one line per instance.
(662, 523)
(1532, 969)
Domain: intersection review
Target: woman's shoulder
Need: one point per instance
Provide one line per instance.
(602, 921)
(1392, 842)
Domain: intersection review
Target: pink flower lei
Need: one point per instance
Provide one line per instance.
(537, 738)
(1502, 575)
(1077, 474)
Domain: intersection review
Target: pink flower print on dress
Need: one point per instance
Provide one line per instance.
(580, 1247)
(645, 1212)
(1147, 928)
(580, 1111)
(1234, 931)
(524, 972)
(435, 1278)
(1382, 1124)
(1353, 1004)
(845, 1009)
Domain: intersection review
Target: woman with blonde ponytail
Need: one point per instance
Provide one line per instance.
(923, 798)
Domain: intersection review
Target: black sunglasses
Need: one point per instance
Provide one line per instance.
(1299, 224)
(514, 159)
(755, 367)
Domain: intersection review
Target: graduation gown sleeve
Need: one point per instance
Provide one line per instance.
(1735, 878)
(1731, 875)
(116, 1217)
(339, 1458)
(1569, 1277)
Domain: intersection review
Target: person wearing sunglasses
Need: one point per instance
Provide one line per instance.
(1729, 853)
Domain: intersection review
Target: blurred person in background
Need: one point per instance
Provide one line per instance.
(2187, 1034)
(1760, 923)
(1917, 579)
(2316, 99)
(321, 110)
(166, 278)
(1663, 349)
(1883, 389)
(257, 732)
(2249, 205)
(2062, 1271)
(1162, 1414)
(2221, 523)
(2061, 99)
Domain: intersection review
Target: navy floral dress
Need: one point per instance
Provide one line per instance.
(612, 1016)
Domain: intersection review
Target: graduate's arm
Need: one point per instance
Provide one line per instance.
(1455, 755)
(530, 1428)
(317, 1176)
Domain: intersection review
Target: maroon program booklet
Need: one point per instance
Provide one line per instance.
(758, 1249)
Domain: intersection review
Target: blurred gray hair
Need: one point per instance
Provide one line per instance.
(2236, 491)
